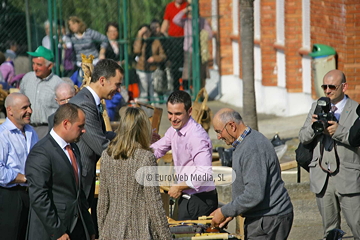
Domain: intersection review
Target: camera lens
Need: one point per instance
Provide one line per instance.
(318, 126)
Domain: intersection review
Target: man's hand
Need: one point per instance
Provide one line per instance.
(20, 178)
(65, 236)
(219, 219)
(314, 118)
(175, 192)
(155, 136)
(331, 129)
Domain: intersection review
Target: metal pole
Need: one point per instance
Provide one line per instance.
(60, 35)
(126, 56)
(196, 46)
(50, 19)
(55, 48)
(121, 53)
(28, 28)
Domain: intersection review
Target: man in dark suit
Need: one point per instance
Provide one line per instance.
(105, 82)
(334, 169)
(59, 209)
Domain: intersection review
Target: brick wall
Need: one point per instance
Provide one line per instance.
(293, 42)
(225, 35)
(268, 38)
(336, 23)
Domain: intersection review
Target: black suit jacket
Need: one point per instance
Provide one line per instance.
(94, 140)
(56, 201)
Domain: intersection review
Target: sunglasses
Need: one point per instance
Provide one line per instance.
(331, 87)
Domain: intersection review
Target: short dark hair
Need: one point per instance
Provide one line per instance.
(67, 111)
(113, 24)
(106, 68)
(180, 97)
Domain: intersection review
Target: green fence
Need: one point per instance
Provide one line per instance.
(23, 21)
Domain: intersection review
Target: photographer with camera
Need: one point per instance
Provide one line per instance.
(335, 165)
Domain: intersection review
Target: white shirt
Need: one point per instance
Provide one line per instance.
(95, 96)
(340, 107)
(61, 142)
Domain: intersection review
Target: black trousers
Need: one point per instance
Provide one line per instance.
(14, 210)
(200, 204)
(275, 227)
(79, 231)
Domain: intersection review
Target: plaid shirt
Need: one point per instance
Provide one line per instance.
(241, 137)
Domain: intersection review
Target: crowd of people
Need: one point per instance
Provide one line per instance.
(161, 53)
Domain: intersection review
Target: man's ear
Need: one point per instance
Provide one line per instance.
(345, 86)
(233, 126)
(190, 111)
(50, 66)
(66, 124)
(102, 80)
(8, 110)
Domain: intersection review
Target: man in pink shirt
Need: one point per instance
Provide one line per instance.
(192, 155)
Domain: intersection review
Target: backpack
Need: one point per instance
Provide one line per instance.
(304, 154)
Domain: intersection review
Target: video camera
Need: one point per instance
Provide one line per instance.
(324, 114)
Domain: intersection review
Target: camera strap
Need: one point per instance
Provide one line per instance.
(336, 157)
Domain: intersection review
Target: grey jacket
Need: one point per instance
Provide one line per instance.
(258, 189)
(94, 140)
(348, 175)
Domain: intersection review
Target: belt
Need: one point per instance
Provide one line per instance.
(16, 188)
(187, 196)
(38, 124)
(212, 192)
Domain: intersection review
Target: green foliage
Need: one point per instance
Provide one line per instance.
(96, 13)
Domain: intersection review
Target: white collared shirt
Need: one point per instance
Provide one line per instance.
(340, 107)
(61, 142)
(95, 96)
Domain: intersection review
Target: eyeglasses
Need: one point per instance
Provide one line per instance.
(220, 132)
(331, 87)
(63, 101)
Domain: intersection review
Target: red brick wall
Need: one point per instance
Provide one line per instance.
(268, 38)
(225, 34)
(293, 42)
(351, 57)
(336, 23)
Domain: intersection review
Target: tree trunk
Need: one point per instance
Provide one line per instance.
(247, 57)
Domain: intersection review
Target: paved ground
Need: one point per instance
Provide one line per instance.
(307, 221)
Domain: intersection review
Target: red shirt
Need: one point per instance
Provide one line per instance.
(170, 12)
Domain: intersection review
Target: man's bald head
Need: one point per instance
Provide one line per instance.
(336, 74)
(13, 98)
(18, 109)
(63, 92)
(334, 85)
(227, 114)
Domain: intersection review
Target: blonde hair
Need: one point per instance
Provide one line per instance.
(134, 132)
(82, 25)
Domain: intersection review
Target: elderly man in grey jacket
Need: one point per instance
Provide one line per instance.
(258, 191)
